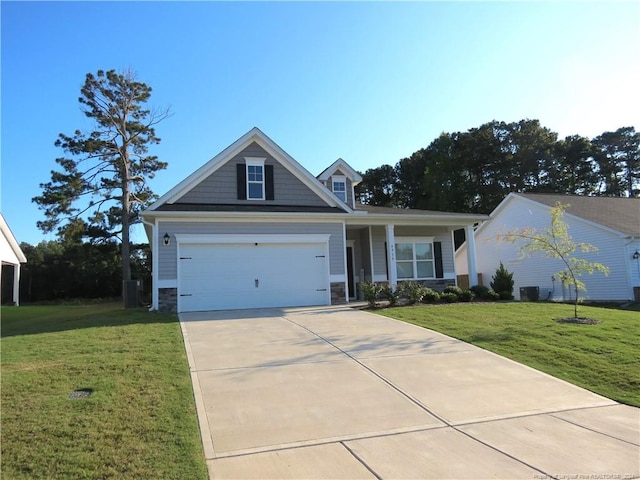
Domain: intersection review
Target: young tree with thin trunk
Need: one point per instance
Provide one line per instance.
(555, 242)
(99, 193)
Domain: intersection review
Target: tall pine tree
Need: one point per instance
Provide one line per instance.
(99, 193)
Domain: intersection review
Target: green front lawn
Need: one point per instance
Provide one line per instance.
(139, 422)
(603, 358)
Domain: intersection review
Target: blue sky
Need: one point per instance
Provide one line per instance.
(370, 82)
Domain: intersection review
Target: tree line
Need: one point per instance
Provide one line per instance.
(68, 270)
(473, 171)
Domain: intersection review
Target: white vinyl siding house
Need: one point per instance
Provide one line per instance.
(252, 228)
(11, 256)
(615, 247)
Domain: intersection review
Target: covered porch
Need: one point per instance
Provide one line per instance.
(406, 247)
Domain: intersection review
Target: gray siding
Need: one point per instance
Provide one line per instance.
(365, 255)
(221, 186)
(167, 268)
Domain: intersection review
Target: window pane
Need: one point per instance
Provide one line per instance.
(255, 190)
(404, 251)
(339, 187)
(254, 173)
(341, 195)
(405, 269)
(424, 251)
(425, 270)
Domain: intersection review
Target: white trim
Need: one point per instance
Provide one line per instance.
(11, 240)
(414, 261)
(340, 164)
(391, 254)
(250, 238)
(339, 179)
(371, 259)
(355, 218)
(255, 162)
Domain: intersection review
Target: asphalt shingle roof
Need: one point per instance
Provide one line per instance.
(619, 213)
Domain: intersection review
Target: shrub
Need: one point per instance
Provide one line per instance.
(480, 291)
(493, 296)
(387, 292)
(502, 283)
(414, 292)
(457, 291)
(430, 296)
(466, 296)
(371, 292)
(448, 297)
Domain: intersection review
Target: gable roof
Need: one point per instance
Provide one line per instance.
(11, 242)
(253, 135)
(615, 213)
(618, 213)
(343, 166)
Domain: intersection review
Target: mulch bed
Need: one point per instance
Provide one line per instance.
(578, 320)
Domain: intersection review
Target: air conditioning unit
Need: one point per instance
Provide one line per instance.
(529, 294)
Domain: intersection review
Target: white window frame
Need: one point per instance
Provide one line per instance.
(413, 241)
(255, 162)
(339, 179)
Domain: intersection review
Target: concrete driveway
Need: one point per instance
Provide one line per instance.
(339, 393)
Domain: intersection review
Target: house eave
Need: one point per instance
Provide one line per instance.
(351, 219)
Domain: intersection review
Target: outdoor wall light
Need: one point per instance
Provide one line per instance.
(636, 255)
(166, 239)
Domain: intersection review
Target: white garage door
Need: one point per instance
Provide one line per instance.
(224, 276)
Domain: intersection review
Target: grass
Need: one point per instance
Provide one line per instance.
(603, 358)
(139, 422)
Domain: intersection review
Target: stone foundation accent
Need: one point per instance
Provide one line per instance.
(168, 300)
(338, 293)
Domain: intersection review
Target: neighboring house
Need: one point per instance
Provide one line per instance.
(253, 228)
(612, 224)
(11, 257)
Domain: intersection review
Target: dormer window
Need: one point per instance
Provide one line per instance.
(255, 178)
(339, 187)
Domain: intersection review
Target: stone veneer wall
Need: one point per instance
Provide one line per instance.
(168, 300)
(338, 293)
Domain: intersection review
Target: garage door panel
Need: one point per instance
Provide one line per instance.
(227, 276)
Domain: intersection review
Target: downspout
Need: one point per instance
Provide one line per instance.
(154, 266)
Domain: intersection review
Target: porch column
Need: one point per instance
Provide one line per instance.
(471, 256)
(16, 284)
(391, 256)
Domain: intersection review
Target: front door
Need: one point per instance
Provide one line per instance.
(350, 279)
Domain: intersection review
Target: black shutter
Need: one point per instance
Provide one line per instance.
(241, 178)
(268, 185)
(437, 255)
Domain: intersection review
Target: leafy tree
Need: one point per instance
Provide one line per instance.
(377, 187)
(573, 170)
(100, 193)
(555, 242)
(618, 158)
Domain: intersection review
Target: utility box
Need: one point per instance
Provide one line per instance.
(529, 294)
(130, 293)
